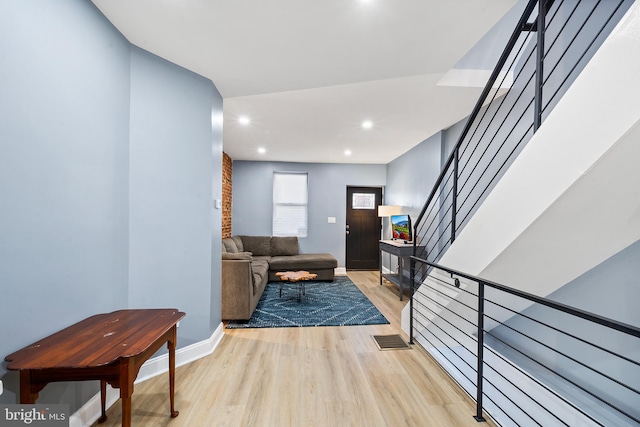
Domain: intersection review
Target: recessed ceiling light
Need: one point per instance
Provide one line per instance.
(367, 124)
(244, 120)
(347, 152)
(262, 150)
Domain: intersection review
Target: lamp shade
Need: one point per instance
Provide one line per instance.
(388, 210)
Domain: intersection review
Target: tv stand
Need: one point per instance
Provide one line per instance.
(403, 250)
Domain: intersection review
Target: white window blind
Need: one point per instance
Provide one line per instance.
(290, 204)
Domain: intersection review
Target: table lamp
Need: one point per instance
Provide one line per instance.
(385, 211)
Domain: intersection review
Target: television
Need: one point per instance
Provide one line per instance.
(401, 228)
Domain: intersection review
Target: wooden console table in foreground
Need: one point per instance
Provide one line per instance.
(109, 347)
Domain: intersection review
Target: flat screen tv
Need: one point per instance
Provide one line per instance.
(401, 227)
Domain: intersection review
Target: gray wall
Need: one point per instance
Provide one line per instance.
(64, 117)
(622, 269)
(411, 176)
(410, 179)
(170, 189)
(253, 192)
(106, 179)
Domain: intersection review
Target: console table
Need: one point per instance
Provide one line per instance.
(403, 251)
(109, 347)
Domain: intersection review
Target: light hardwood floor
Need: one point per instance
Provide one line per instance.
(325, 376)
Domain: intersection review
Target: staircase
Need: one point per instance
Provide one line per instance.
(562, 197)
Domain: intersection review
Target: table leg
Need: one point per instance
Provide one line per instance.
(171, 346)
(26, 395)
(127, 377)
(103, 401)
(400, 275)
(126, 411)
(380, 266)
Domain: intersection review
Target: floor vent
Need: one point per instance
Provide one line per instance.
(390, 342)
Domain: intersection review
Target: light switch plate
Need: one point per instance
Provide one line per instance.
(218, 203)
(331, 220)
(1, 387)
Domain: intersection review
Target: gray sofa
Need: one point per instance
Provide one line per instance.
(249, 262)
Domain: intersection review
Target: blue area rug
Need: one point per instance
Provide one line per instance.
(337, 303)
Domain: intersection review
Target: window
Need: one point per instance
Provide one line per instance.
(363, 201)
(290, 204)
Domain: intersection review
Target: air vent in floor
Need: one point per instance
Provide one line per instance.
(390, 342)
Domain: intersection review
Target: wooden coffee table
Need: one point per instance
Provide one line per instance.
(296, 277)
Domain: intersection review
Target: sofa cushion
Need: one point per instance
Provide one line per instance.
(267, 259)
(302, 262)
(284, 246)
(260, 270)
(258, 245)
(248, 256)
(230, 246)
(238, 242)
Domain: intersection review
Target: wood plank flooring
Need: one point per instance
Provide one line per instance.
(324, 376)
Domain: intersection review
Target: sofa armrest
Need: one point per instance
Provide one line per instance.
(237, 289)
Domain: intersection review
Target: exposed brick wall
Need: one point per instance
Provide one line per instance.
(227, 198)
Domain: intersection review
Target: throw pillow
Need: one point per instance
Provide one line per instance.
(238, 242)
(284, 246)
(230, 245)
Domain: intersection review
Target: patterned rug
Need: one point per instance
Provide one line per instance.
(337, 303)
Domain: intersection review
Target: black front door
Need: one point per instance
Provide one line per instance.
(363, 228)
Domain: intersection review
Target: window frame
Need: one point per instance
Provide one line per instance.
(285, 204)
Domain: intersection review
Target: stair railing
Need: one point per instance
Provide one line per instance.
(505, 117)
(550, 45)
(573, 367)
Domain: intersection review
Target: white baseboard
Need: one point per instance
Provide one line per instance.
(340, 271)
(90, 411)
(159, 365)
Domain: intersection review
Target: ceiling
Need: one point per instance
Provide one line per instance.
(308, 73)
